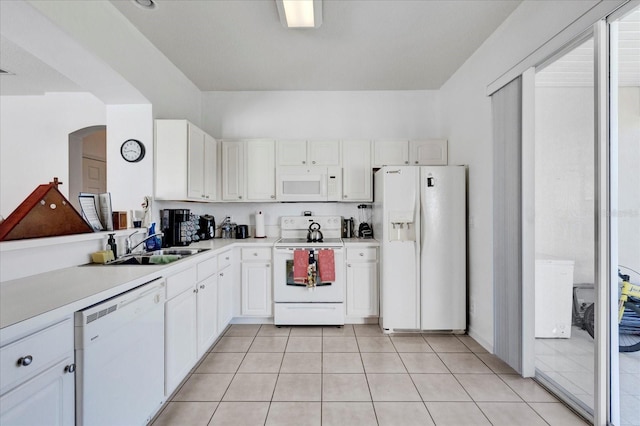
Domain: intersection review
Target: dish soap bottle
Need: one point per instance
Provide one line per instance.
(111, 243)
(152, 243)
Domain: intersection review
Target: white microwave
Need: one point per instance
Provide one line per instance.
(300, 183)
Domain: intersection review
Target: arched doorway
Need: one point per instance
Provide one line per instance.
(87, 162)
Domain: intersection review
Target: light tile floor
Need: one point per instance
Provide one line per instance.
(355, 375)
(570, 363)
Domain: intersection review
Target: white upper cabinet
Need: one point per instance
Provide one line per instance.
(308, 153)
(390, 153)
(233, 185)
(430, 152)
(248, 170)
(261, 170)
(323, 153)
(292, 153)
(356, 171)
(185, 162)
(427, 152)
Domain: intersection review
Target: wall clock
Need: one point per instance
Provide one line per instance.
(132, 150)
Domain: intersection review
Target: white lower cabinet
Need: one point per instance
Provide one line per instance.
(180, 337)
(256, 291)
(191, 319)
(45, 399)
(362, 282)
(38, 384)
(225, 289)
(207, 307)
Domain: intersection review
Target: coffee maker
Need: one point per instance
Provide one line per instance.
(175, 227)
(207, 227)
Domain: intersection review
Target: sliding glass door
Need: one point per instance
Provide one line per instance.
(565, 172)
(624, 108)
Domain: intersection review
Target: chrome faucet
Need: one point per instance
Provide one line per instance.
(128, 241)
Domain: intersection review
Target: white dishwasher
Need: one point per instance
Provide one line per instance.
(119, 345)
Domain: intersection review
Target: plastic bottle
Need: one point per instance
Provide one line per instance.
(111, 243)
(152, 243)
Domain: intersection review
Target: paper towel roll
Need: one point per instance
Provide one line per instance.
(260, 233)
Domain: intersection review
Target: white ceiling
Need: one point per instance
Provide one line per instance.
(361, 45)
(28, 74)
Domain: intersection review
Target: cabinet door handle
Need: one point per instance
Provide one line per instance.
(207, 196)
(226, 258)
(273, 196)
(25, 361)
(195, 290)
(255, 254)
(71, 368)
(268, 265)
(348, 265)
(222, 274)
(416, 161)
(313, 162)
(361, 254)
(202, 286)
(304, 162)
(202, 195)
(406, 162)
(346, 196)
(240, 197)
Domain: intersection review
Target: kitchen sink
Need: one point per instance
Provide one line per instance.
(157, 257)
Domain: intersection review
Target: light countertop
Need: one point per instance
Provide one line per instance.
(55, 294)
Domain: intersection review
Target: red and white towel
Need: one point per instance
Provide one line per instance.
(300, 266)
(326, 266)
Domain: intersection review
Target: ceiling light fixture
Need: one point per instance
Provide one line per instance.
(300, 13)
(146, 4)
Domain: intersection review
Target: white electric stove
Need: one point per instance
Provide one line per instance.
(301, 304)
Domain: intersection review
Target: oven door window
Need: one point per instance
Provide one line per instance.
(290, 280)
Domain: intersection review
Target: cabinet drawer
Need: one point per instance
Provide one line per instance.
(263, 253)
(208, 267)
(361, 253)
(38, 350)
(224, 260)
(180, 282)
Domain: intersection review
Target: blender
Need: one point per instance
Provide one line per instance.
(365, 214)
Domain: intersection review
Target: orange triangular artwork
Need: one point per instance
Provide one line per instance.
(44, 213)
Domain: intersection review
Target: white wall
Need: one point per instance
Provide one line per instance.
(34, 140)
(129, 182)
(467, 124)
(336, 115)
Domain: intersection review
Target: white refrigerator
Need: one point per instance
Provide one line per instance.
(420, 221)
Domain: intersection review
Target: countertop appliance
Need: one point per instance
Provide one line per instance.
(313, 183)
(242, 232)
(365, 213)
(207, 225)
(347, 228)
(227, 228)
(420, 224)
(300, 304)
(176, 227)
(120, 358)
